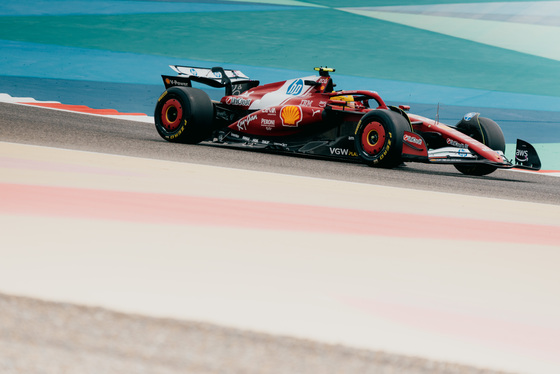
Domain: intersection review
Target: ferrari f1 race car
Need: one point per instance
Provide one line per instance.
(307, 116)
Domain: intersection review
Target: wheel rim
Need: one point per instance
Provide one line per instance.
(373, 138)
(171, 114)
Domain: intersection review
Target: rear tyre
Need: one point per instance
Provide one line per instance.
(487, 132)
(184, 115)
(379, 137)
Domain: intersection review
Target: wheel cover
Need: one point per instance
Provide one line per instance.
(373, 138)
(171, 114)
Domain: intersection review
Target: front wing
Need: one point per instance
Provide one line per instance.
(415, 149)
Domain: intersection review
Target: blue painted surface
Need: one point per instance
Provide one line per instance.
(126, 98)
(69, 7)
(50, 61)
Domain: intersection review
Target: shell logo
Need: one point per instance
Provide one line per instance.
(291, 115)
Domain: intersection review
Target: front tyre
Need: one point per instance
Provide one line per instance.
(379, 138)
(485, 131)
(184, 115)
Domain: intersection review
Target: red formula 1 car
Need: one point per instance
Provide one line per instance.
(307, 116)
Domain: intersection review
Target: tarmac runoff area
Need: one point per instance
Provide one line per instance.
(450, 278)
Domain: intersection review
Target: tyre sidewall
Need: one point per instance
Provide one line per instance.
(487, 132)
(390, 154)
(196, 115)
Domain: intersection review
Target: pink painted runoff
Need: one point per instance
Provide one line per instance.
(160, 208)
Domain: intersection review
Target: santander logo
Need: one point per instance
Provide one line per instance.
(412, 139)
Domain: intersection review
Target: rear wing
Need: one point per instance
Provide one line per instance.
(234, 81)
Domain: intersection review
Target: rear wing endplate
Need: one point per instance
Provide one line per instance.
(234, 81)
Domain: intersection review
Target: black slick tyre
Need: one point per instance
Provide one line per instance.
(184, 115)
(379, 136)
(488, 133)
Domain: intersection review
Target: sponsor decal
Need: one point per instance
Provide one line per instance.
(306, 103)
(180, 130)
(238, 101)
(387, 147)
(455, 143)
(522, 155)
(193, 72)
(322, 104)
(412, 139)
(217, 74)
(268, 123)
(295, 88)
(469, 116)
(271, 111)
(291, 115)
(242, 124)
(175, 82)
(236, 89)
(313, 112)
(463, 152)
(342, 152)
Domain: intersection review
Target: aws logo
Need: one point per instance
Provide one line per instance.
(522, 155)
(295, 88)
(291, 115)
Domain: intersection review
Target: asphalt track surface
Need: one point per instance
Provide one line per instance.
(97, 340)
(501, 263)
(37, 126)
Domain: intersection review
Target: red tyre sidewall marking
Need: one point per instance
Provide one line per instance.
(169, 104)
(377, 147)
